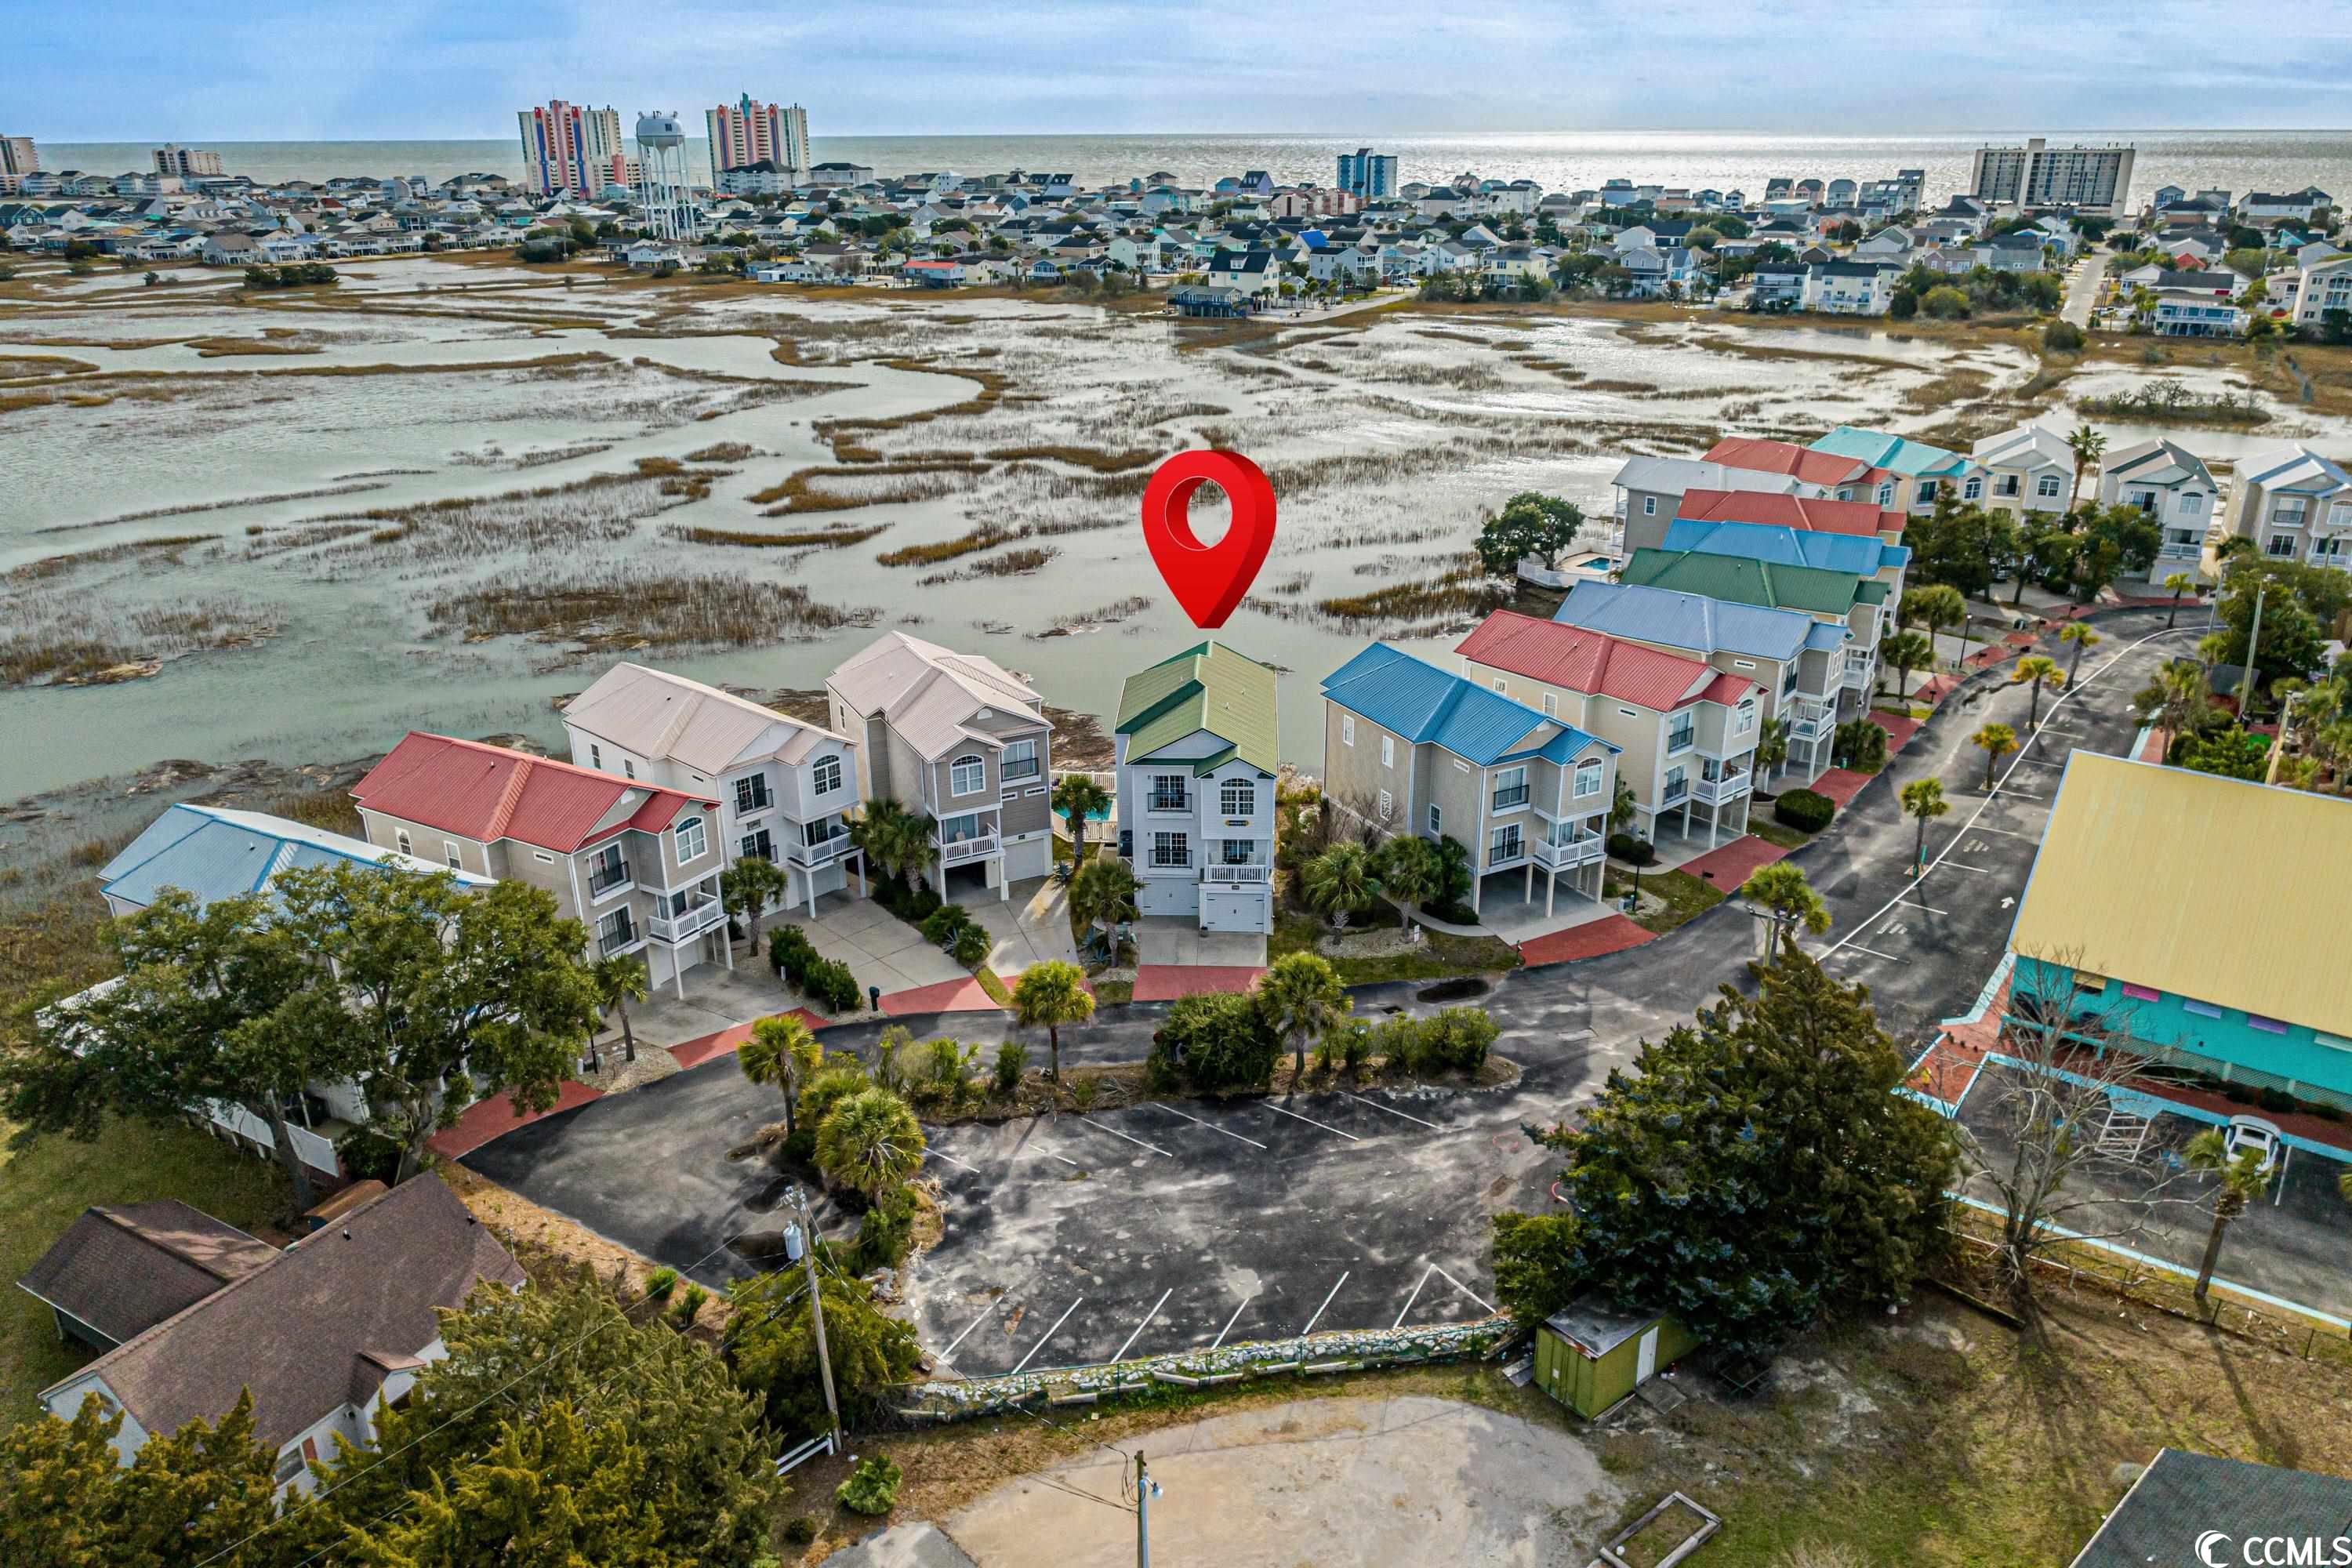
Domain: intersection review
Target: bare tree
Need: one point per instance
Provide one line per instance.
(2044, 1123)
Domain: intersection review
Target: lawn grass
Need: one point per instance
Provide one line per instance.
(1773, 831)
(1685, 897)
(1440, 956)
(43, 1188)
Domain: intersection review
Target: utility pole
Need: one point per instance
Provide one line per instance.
(1142, 1513)
(2246, 681)
(816, 1308)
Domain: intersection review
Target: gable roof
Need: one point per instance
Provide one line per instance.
(1897, 454)
(1862, 555)
(2158, 462)
(1591, 661)
(1743, 581)
(930, 695)
(313, 1326)
(2181, 1496)
(2031, 443)
(1809, 512)
(2200, 926)
(213, 852)
(1426, 705)
(1207, 687)
(123, 1270)
(2289, 467)
(1808, 464)
(488, 792)
(1682, 476)
(1681, 619)
(657, 714)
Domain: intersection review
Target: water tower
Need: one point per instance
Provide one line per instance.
(663, 189)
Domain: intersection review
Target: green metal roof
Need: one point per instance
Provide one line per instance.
(1207, 687)
(1741, 581)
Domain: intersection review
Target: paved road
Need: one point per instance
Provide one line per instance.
(649, 1169)
(2083, 288)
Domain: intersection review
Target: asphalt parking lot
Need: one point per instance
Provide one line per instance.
(1073, 1240)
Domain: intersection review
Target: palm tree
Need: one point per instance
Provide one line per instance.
(1933, 607)
(2243, 1177)
(747, 886)
(1299, 998)
(1103, 892)
(2211, 648)
(2179, 582)
(1077, 798)
(1788, 899)
(1341, 881)
(1905, 652)
(1407, 869)
(1052, 994)
(618, 982)
(2037, 668)
(1997, 741)
(2182, 699)
(1771, 745)
(784, 1052)
(869, 1141)
(2080, 634)
(1923, 801)
(894, 840)
(1456, 869)
(2089, 446)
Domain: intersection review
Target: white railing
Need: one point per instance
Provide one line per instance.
(964, 849)
(692, 922)
(1714, 792)
(313, 1151)
(1808, 720)
(821, 853)
(1857, 677)
(1576, 852)
(1237, 874)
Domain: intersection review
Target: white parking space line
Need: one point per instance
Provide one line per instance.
(950, 1159)
(1376, 1105)
(2005, 833)
(967, 1330)
(2040, 762)
(1120, 1354)
(1137, 1141)
(1464, 1289)
(1312, 1122)
(1857, 947)
(1210, 1125)
(1319, 1311)
(1231, 1320)
(1955, 865)
(1409, 1301)
(1049, 1334)
(1064, 1158)
(1925, 908)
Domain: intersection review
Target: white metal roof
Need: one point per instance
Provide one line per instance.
(657, 714)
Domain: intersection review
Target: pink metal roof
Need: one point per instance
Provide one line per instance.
(1854, 517)
(1582, 660)
(486, 793)
(1784, 457)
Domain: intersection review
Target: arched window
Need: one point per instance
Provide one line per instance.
(966, 774)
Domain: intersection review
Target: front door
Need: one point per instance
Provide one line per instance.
(1648, 1365)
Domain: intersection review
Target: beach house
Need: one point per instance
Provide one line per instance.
(1195, 761)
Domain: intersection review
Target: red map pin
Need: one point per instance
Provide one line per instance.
(1208, 580)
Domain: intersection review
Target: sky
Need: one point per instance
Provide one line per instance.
(244, 70)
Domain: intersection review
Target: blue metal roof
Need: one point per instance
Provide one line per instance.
(213, 853)
(1692, 621)
(1861, 554)
(1426, 705)
(1897, 454)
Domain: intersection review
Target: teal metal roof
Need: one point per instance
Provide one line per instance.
(1895, 454)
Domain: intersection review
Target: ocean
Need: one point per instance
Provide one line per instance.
(2235, 160)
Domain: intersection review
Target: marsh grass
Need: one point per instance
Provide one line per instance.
(624, 607)
(808, 539)
(875, 484)
(46, 638)
(1011, 563)
(988, 536)
(1099, 461)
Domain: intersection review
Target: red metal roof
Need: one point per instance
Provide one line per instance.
(1592, 661)
(1784, 457)
(488, 792)
(1814, 516)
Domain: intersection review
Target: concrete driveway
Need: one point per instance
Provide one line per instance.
(1175, 939)
(880, 948)
(1029, 928)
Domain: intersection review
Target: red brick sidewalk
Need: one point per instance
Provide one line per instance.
(1167, 982)
(1899, 729)
(488, 1118)
(947, 996)
(695, 1052)
(1733, 864)
(1610, 933)
(1841, 785)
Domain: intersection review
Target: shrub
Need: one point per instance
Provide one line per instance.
(1860, 745)
(799, 1529)
(2276, 1100)
(840, 1077)
(829, 983)
(688, 1307)
(660, 1283)
(1083, 1091)
(1807, 811)
(971, 948)
(367, 1153)
(883, 1234)
(2062, 337)
(1217, 1041)
(800, 1149)
(789, 954)
(943, 925)
(1011, 1060)
(1632, 850)
(1355, 1046)
(871, 1488)
(1459, 1038)
(1450, 912)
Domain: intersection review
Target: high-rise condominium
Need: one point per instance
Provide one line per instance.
(1367, 173)
(19, 156)
(188, 163)
(569, 148)
(746, 132)
(2091, 179)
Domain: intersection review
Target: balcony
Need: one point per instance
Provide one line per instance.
(1858, 675)
(963, 849)
(823, 852)
(1808, 721)
(610, 877)
(1586, 851)
(1673, 793)
(1238, 876)
(1715, 792)
(687, 923)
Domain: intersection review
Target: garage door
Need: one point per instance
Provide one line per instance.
(1233, 909)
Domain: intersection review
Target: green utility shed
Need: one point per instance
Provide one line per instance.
(1590, 1355)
